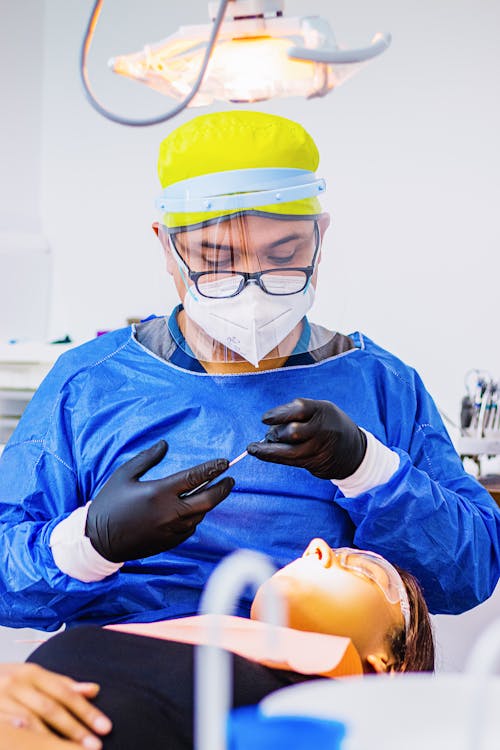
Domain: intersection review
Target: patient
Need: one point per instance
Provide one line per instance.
(359, 595)
(147, 683)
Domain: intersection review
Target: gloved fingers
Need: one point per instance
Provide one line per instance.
(181, 537)
(283, 453)
(205, 499)
(145, 460)
(185, 524)
(188, 519)
(298, 410)
(292, 433)
(189, 479)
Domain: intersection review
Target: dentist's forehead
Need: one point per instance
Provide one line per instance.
(251, 226)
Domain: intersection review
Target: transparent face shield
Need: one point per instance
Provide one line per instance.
(246, 283)
(246, 275)
(223, 258)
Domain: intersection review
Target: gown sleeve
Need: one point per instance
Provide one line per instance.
(431, 517)
(39, 488)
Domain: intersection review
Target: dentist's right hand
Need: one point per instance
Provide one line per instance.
(129, 519)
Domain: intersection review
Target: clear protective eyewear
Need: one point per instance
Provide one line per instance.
(381, 572)
(220, 283)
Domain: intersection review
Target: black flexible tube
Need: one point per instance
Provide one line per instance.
(87, 41)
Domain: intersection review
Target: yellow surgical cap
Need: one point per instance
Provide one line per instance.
(236, 140)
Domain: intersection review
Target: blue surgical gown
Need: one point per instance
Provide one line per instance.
(105, 401)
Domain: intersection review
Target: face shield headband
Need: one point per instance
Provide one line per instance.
(239, 189)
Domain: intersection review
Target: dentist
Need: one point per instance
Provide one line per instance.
(99, 522)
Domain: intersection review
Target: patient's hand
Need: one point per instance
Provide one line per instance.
(12, 738)
(45, 703)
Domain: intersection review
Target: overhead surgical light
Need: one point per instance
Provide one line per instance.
(250, 52)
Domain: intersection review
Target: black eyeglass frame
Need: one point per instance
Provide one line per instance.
(246, 277)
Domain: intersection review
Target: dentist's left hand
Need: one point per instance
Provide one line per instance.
(129, 519)
(312, 435)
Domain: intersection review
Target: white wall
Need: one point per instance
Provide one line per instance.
(21, 76)
(409, 148)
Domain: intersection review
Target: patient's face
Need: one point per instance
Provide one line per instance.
(324, 597)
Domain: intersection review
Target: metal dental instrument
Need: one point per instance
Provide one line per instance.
(231, 463)
(238, 458)
(245, 453)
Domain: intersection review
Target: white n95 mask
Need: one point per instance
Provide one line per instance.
(252, 323)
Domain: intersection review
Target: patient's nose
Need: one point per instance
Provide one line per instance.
(321, 550)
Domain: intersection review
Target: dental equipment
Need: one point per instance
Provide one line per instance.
(204, 484)
(212, 664)
(251, 52)
(479, 417)
(238, 458)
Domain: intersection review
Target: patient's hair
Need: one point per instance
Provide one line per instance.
(414, 652)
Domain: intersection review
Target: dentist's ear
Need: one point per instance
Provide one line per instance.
(323, 223)
(162, 236)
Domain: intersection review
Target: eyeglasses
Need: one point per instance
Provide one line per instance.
(275, 281)
(381, 572)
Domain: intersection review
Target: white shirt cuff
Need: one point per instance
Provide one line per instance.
(377, 467)
(73, 552)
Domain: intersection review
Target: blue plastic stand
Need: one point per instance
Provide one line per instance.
(249, 729)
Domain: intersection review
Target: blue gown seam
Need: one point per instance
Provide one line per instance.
(432, 473)
(12, 444)
(89, 366)
(168, 363)
(111, 354)
(61, 461)
(399, 377)
(41, 442)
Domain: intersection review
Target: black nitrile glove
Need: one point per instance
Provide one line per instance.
(314, 435)
(129, 519)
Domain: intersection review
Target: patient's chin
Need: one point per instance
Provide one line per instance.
(275, 587)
